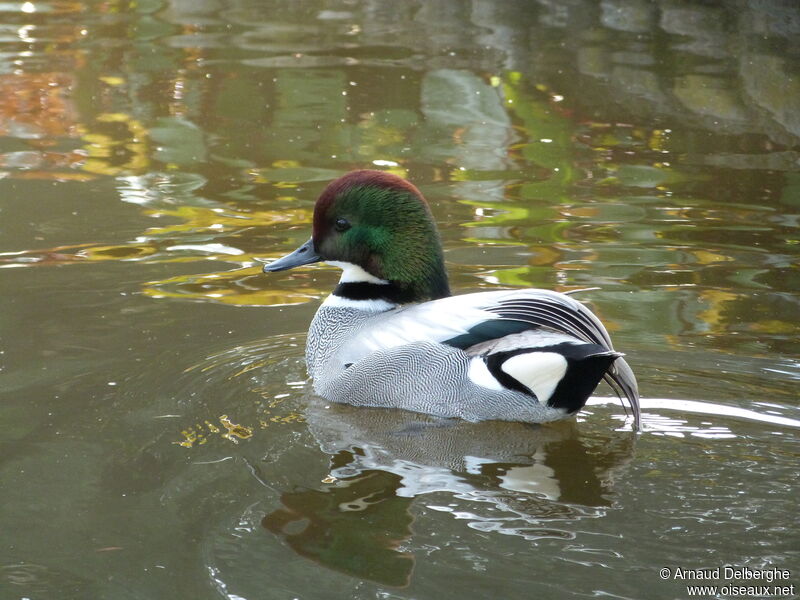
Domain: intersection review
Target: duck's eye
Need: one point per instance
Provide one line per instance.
(342, 225)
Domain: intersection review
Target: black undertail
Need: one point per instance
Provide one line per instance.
(586, 366)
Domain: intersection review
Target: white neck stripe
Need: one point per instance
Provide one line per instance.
(354, 274)
(374, 305)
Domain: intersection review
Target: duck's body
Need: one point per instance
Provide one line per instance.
(390, 335)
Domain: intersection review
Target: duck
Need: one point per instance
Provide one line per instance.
(392, 335)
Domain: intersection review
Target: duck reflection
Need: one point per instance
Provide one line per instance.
(356, 526)
(360, 521)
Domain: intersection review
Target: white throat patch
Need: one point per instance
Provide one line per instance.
(354, 274)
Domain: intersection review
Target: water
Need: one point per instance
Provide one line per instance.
(157, 435)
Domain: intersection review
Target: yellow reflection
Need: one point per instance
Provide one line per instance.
(197, 435)
(233, 431)
(285, 164)
(515, 276)
(115, 143)
(714, 316)
(658, 139)
(229, 287)
(704, 257)
(113, 81)
(117, 252)
(200, 433)
(191, 437)
(224, 219)
(502, 213)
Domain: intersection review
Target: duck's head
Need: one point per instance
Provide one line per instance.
(379, 229)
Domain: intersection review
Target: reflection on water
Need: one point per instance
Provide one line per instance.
(153, 404)
(482, 454)
(354, 528)
(518, 479)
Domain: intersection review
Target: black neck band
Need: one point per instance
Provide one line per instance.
(364, 290)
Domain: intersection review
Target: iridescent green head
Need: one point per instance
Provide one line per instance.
(382, 224)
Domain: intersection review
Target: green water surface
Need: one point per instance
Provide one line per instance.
(158, 438)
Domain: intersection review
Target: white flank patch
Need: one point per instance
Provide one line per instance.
(539, 371)
(354, 274)
(335, 301)
(480, 374)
